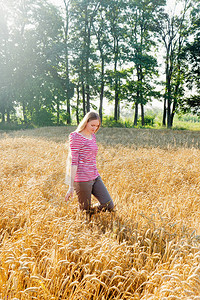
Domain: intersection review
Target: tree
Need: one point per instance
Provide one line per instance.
(69, 87)
(82, 18)
(33, 59)
(6, 67)
(100, 48)
(174, 33)
(142, 16)
(192, 56)
(101, 30)
(115, 17)
(191, 105)
(191, 61)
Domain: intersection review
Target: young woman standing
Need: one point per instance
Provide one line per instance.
(82, 174)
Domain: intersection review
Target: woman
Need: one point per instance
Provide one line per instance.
(83, 175)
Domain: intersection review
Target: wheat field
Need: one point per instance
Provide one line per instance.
(149, 248)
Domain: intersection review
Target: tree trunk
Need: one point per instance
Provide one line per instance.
(169, 96)
(87, 53)
(172, 114)
(164, 113)
(102, 89)
(137, 98)
(169, 111)
(138, 93)
(116, 110)
(24, 113)
(176, 93)
(8, 116)
(116, 115)
(168, 114)
(88, 97)
(83, 95)
(142, 114)
(174, 104)
(102, 74)
(68, 111)
(2, 117)
(136, 114)
(67, 63)
(57, 112)
(77, 104)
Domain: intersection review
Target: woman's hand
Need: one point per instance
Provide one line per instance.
(70, 194)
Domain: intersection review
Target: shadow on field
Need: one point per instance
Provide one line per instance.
(134, 137)
(128, 231)
(148, 241)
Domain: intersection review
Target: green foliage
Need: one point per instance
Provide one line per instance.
(191, 104)
(43, 118)
(15, 126)
(189, 118)
(109, 121)
(148, 121)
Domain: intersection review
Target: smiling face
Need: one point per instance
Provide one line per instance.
(92, 126)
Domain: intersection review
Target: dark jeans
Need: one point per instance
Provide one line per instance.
(96, 187)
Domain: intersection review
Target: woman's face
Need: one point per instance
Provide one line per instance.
(92, 126)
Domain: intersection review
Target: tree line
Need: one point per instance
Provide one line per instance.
(55, 64)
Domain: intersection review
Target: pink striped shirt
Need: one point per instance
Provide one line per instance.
(83, 152)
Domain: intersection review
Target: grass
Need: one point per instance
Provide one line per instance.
(147, 249)
(186, 125)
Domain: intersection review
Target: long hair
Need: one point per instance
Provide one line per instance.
(90, 116)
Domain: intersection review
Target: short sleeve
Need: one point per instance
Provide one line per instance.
(75, 145)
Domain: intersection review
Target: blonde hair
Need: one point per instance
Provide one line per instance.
(90, 116)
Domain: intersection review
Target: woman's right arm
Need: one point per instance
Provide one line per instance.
(70, 192)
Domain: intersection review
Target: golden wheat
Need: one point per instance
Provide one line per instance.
(147, 249)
